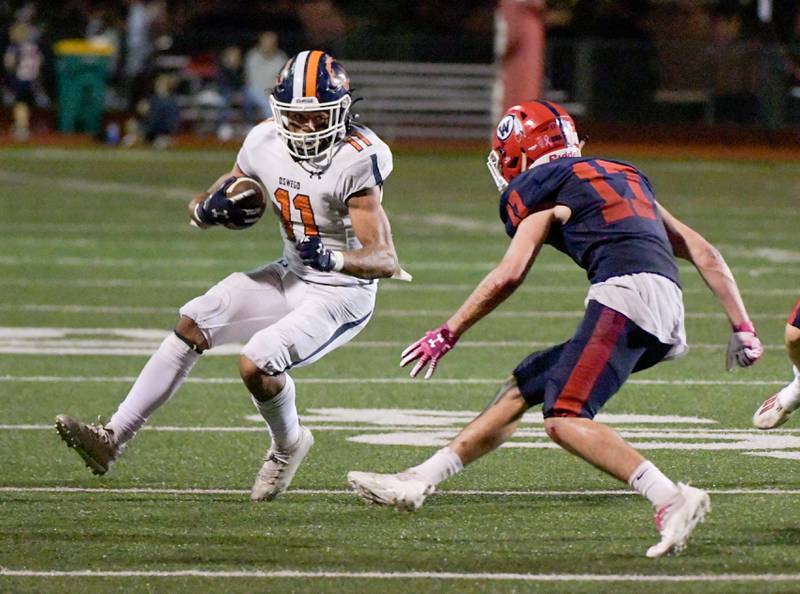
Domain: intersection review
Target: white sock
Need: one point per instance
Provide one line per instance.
(789, 396)
(280, 414)
(442, 465)
(158, 380)
(653, 484)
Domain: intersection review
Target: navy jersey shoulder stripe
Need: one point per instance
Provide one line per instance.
(376, 172)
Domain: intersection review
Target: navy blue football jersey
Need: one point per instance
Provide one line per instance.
(615, 227)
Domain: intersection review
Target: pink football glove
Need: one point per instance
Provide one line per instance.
(429, 349)
(744, 347)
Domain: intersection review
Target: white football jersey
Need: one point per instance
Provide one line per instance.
(310, 201)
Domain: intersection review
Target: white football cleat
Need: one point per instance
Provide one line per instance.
(278, 469)
(771, 414)
(676, 520)
(93, 442)
(404, 492)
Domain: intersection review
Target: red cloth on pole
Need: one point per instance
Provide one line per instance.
(519, 51)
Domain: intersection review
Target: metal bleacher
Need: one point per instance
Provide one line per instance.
(424, 100)
(430, 100)
(401, 100)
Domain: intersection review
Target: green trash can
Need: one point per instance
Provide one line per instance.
(82, 68)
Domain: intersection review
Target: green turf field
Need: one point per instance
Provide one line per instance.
(96, 256)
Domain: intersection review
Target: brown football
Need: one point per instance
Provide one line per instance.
(248, 193)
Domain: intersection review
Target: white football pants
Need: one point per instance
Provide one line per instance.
(284, 321)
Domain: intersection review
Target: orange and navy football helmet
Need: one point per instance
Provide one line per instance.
(312, 81)
(530, 134)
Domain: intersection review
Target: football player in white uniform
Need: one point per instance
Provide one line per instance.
(324, 176)
(777, 409)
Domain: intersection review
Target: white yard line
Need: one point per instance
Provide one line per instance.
(96, 262)
(65, 340)
(62, 348)
(528, 431)
(412, 266)
(370, 380)
(444, 492)
(107, 283)
(108, 188)
(781, 455)
(147, 347)
(380, 312)
(410, 575)
(121, 156)
(577, 290)
(51, 229)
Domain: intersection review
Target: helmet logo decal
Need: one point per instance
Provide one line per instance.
(339, 79)
(506, 126)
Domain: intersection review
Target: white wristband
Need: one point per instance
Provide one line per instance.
(338, 260)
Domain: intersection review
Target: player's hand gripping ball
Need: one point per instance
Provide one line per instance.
(237, 204)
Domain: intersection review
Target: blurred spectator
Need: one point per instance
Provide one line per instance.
(138, 49)
(162, 112)
(26, 14)
(230, 82)
(732, 69)
(23, 63)
(104, 26)
(262, 66)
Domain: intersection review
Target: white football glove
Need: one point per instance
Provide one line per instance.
(744, 347)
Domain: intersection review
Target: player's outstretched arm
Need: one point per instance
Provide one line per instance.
(495, 288)
(744, 347)
(503, 280)
(200, 198)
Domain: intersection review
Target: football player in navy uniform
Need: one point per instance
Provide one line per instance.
(323, 174)
(777, 409)
(603, 214)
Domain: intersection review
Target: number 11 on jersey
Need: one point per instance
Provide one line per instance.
(302, 203)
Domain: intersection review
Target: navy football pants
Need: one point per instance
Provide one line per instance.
(576, 378)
